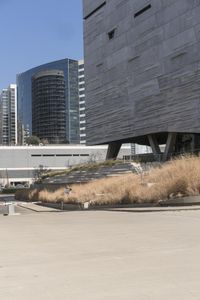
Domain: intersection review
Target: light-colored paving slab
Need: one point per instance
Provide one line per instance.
(100, 255)
(17, 210)
(37, 208)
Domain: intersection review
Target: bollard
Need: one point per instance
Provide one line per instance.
(9, 209)
(62, 205)
(86, 205)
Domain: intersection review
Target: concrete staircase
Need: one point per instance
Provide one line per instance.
(84, 176)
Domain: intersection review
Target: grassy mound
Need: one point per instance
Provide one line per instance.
(177, 178)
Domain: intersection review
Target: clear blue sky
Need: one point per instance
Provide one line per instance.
(34, 32)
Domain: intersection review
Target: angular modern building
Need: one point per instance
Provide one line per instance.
(69, 69)
(8, 116)
(142, 73)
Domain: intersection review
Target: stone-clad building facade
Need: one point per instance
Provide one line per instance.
(142, 72)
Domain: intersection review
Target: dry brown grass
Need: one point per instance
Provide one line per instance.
(177, 178)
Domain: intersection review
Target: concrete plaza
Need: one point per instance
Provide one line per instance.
(100, 255)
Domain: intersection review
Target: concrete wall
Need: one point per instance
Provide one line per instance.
(147, 78)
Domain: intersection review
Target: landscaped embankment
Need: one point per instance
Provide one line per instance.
(177, 178)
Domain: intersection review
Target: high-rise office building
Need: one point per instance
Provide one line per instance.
(8, 115)
(69, 68)
(48, 106)
(142, 74)
(82, 117)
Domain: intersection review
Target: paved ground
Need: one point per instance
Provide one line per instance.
(18, 210)
(100, 256)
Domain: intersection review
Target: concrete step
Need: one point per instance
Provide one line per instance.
(37, 208)
(85, 176)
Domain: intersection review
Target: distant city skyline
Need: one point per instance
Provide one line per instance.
(37, 32)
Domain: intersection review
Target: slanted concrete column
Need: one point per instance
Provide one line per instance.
(171, 140)
(113, 150)
(154, 146)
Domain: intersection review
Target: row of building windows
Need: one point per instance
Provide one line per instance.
(81, 66)
(58, 155)
(81, 73)
(82, 92)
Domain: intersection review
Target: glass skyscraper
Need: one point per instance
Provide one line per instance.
(48, 106)
(71, 110)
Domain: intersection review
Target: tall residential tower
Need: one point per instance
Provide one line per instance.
(82, 116)
(8, 115)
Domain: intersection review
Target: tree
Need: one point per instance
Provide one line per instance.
(44, 141)
(39, 173)
(32, 140)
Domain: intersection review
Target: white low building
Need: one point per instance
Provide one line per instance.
(19, 163)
